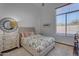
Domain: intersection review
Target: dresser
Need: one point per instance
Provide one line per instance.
(9, 41)
(1, 43)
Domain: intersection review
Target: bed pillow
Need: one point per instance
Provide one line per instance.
(26, 34)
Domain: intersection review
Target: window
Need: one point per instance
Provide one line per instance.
(67, 19)
(62, 10)
(60, 24)
(73, 22)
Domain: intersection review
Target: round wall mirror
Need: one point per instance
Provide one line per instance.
(8, 24)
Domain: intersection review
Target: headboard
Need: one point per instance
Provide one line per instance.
(26, 29)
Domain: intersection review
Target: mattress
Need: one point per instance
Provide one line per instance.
(38, 42)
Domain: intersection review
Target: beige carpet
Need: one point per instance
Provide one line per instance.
(60, 50)
(17, 52)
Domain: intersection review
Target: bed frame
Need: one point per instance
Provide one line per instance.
(31, 50)
(34, 52)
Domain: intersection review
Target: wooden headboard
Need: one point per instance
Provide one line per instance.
(26, 29)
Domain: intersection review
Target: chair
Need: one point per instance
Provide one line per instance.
(76, 44)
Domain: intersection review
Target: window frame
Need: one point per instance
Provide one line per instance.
(66, 34)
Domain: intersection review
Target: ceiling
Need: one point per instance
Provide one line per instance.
(55, 4)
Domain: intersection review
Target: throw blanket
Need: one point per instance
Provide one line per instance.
(39, 42)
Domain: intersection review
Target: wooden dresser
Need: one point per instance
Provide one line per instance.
(9, 41)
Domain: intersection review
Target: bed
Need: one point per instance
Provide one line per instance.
(36, 44)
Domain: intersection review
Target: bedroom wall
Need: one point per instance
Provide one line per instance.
(35, 15)
(27, 15)
(48, 16)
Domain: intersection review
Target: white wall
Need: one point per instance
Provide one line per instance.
(34, 15)
(31, 15)
(27, 15)
(48, 15)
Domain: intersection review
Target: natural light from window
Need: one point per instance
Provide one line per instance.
(67, 19)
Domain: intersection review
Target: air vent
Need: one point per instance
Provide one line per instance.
(43, 4)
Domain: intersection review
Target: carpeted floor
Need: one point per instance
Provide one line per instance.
(59, 50)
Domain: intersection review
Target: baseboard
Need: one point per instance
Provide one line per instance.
(9, 50)
(64, 44)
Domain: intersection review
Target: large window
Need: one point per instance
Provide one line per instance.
(67, 19)
(61, 24)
